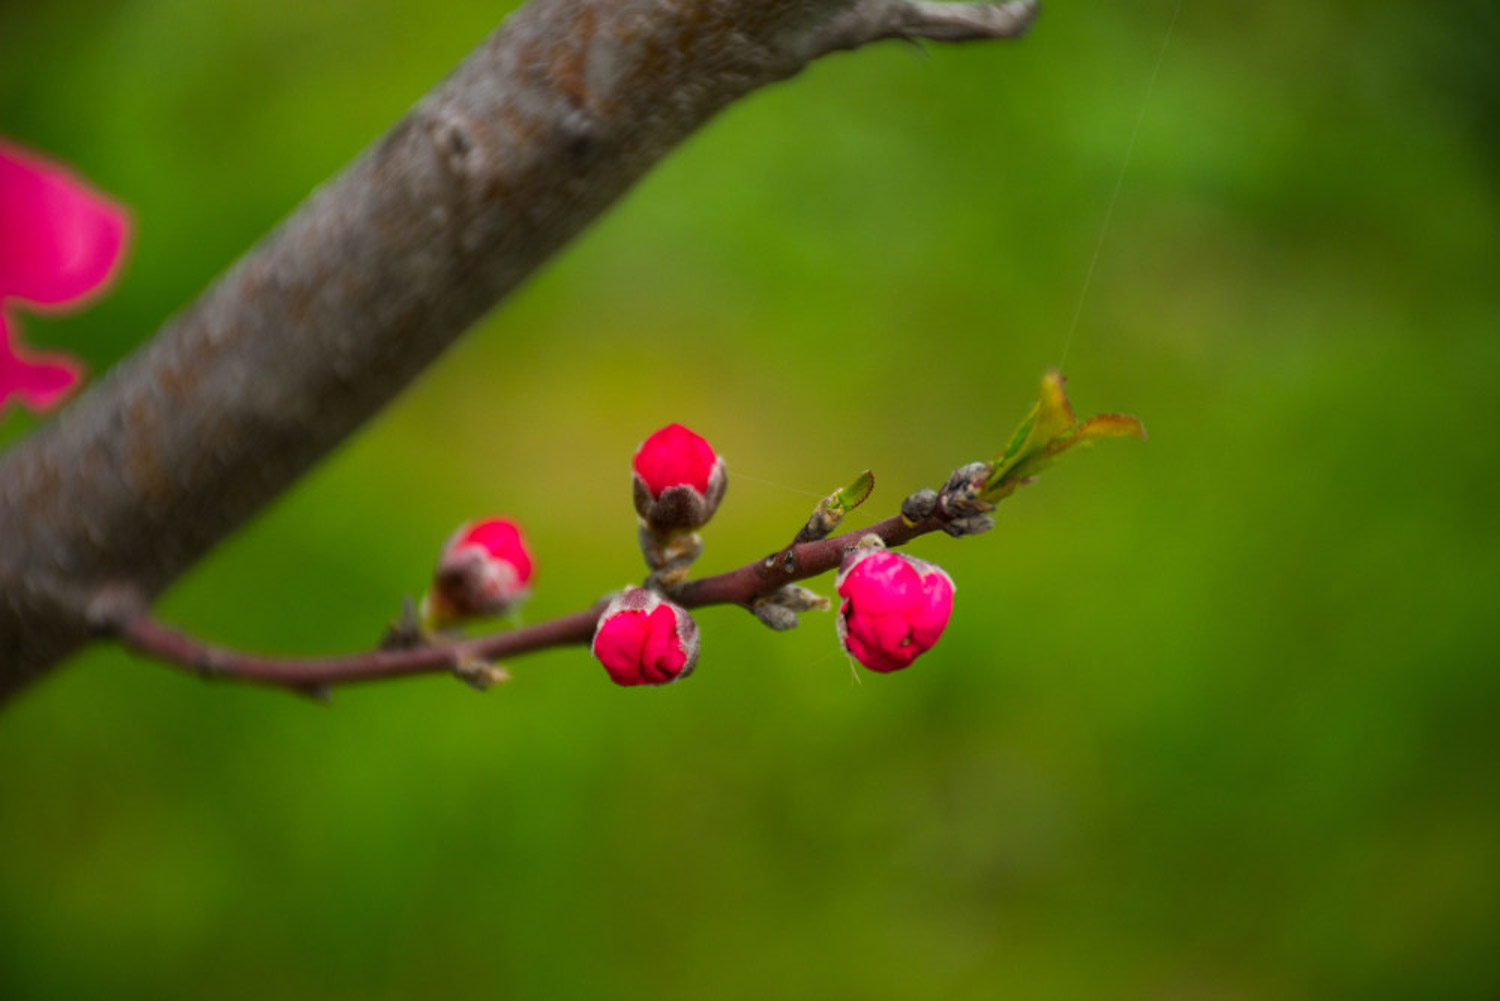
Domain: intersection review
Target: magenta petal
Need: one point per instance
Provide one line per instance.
(59, 239)
(861, 651)
(874, 655)
(882, 583)
(675, 456)
(929, 621)
(38, 382)
(501, 539)
(887, 632)
(618, 646)
(663, 656)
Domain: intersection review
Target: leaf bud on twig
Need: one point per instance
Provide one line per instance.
(919, 506)
(779, 609)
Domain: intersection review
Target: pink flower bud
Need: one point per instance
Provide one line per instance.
(677, 481)
(894, 609)
(643, 639)
(484, 569)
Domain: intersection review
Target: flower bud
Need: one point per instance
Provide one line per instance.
(643, 639)
(895, 606)
(485, 569)
(677, 480)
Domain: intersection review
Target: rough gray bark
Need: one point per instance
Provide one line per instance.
(539, 130)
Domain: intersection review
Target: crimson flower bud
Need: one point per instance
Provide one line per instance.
(677, 480)
(895, 606)
(643, 639)
(484, 569)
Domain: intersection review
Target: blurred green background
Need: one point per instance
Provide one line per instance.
(1217, 715)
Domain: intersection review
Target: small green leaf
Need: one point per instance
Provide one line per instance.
(855, 493)
(1091, 430)
(1047, 433)
(1051, 416)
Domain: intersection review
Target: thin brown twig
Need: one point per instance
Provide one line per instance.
(132, 623)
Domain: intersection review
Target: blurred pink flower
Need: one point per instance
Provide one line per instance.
(60, 243)
(484, 569)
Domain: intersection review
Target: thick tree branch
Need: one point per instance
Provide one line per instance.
(128, 619)
(529, 139)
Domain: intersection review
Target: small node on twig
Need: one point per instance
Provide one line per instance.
(780, 609)
(113, 606)
(919, 506)
(960, 493)
(960, 503)
(777, 617)
(477, 673)
(669, 555)
(321, 694)
(406, 633)
(974, 524)
(207, 665)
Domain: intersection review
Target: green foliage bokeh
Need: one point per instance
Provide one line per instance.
(1217, 715)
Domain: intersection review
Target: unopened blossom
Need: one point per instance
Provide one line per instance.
(643, 639)
(485, 569)
(677, 480)
(894, 606)
(60, 243)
